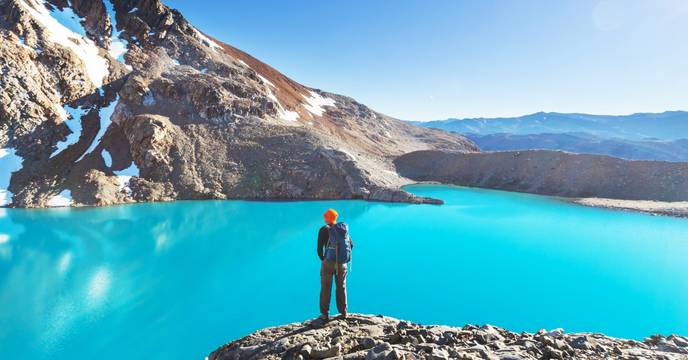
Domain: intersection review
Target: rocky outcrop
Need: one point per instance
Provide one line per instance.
(551, 173)
(379, 337)
(130, 89)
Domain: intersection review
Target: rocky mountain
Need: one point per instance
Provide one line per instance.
(584, 143)
(378, 337)
(114, 101)
(670, 125)
(551, 173)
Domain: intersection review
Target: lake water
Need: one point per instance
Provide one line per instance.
(177, 280)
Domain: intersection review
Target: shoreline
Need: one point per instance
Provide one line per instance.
(677, 209)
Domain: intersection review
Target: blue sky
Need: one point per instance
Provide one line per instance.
(433, 59)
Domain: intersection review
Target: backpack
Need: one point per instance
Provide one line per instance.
(338, 247)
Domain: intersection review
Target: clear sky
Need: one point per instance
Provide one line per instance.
(433, 59)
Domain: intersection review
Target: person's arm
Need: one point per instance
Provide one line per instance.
(322, 239)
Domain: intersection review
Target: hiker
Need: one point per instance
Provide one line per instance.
(334, 251)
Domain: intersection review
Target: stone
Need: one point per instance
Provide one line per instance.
(580, 342)
(367, 342)
(380, 351)
(556, 333)
(553, 353)
(328, 352)
(312, 340)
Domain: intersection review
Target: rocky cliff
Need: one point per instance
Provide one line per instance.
(551, 173)
(378, 337)
(114, 101)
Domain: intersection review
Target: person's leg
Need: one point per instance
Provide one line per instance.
(326, 272)
(341, 289)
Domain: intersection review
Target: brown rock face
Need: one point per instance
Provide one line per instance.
(101, 189)
(551, 173)
(186, 116)
(378, 337)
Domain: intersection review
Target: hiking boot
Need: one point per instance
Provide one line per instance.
(341, 317)
(324, 317)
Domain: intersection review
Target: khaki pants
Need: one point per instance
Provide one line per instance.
(327, 271)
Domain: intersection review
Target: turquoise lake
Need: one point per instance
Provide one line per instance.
(177, 280)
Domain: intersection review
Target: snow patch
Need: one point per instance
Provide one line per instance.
(209, 42)
(105, 115)
(133, 10)
(61, 112)
(316, 103)
(62, 199)
(123, 176)
(65, 28)
(204, 70)
(5, 197)
(283, 114)
(348, 154)
(124, 183)
(265, 80)
(242, 63)
(118, 47)
(10, 162)
(72, 118)
(175, 62)
(289, 115)
(107, 158)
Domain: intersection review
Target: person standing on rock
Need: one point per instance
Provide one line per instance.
(334, 251)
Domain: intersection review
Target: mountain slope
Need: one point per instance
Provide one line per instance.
(107, 102)
(670, 125)
(666, 150)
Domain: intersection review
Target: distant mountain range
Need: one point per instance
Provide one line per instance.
(668, 150)
(669, 125)
(644, 136)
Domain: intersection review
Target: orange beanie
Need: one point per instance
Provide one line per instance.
(331, 216)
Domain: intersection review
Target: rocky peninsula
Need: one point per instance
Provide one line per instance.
(594, 180)
(380, 337)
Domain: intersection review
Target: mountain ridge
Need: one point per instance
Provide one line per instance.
(635, 126)
(537, 113)
(649, 149)
(177, 114)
